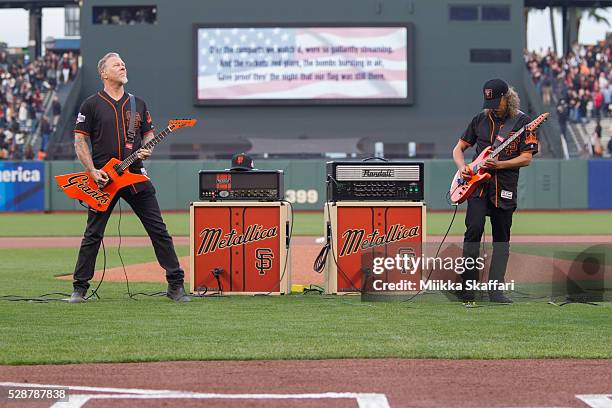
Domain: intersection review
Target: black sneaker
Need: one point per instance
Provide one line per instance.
(466, 295)
(499, 297)
(77, 296)
(177, 293)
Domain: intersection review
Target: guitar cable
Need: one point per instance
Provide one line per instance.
(95, 291)
(321, 258)
(521, 294)
(202, 290)
(130, 294)
(331, 249)
(127, 281)
(46, 297)
(216, 273)
(450, 225)
(320, 261)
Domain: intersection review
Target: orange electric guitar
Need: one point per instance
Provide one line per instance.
(461, 189)
(82, 187)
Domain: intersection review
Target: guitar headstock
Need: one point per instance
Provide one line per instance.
(174, 124)
(537, 122)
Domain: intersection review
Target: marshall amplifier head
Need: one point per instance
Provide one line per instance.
(375, 181)
(255, 185)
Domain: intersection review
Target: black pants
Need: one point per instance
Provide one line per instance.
(144, 203)
(501, 222)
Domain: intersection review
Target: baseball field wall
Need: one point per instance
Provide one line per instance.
(546, 184)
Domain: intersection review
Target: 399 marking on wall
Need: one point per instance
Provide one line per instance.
(302, 196)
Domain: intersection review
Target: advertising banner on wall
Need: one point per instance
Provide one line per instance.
(22, 186)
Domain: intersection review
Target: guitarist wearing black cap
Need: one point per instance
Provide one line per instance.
(497, 198)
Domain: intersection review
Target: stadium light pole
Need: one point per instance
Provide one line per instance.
(552, 30)
(34, 42)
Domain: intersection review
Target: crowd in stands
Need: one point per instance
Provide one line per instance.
(125, 15)
(23, 88)
(578, 84)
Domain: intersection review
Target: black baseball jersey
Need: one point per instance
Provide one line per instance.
(106, 122)
(482, 132)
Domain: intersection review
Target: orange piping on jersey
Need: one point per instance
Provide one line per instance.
(496, 190)
(117, 124)
(469, 144)
(492, 128)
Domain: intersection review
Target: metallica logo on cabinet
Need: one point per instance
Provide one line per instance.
(240, 247)
(362, 231)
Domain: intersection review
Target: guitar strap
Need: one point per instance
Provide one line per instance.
(129, 144)
(505, 132)
(501, 138)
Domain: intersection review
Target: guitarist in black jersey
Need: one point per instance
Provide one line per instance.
(497, 198)
(115, 130)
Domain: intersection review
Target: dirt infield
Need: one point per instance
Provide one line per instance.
(62, 242)
(399, 383)
(304, 252)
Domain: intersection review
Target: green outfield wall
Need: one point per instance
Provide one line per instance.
(546, 184)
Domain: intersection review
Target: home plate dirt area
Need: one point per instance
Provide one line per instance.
(321, 383)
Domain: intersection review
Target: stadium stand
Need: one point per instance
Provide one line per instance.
(29, 102)
(578, 86)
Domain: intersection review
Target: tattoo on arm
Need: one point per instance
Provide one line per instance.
(83, 153)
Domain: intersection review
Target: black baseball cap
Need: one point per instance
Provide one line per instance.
(242, 161)
(492, 91)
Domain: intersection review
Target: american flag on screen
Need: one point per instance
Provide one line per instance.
(242, 63)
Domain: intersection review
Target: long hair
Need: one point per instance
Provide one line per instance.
(514, 102)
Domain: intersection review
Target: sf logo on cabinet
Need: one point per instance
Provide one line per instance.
(264, 258)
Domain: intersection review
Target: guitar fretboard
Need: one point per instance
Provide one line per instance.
(507, 142)
(134, 156)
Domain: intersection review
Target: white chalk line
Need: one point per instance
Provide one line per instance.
(596, 400)
(364, 400)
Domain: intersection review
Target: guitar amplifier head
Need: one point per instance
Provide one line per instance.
(255, 185)
(375, 181)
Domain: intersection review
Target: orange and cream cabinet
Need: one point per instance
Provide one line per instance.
(240, 247)
(359, 232)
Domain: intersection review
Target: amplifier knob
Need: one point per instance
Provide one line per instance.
(224, 193)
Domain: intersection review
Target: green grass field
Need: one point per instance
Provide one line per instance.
(116, 329)
(524, 223)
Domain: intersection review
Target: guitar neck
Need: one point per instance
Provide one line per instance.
(134, 156)
(506, 142)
